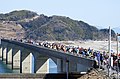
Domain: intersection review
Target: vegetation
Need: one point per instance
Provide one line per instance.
(55, 27)
(17, 15)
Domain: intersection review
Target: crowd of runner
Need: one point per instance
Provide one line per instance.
(100, 57)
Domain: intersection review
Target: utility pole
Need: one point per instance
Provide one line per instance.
(117, 55)
(67, 69)
(0, 40)
(109, 50)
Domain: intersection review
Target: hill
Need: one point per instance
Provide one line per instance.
(11, 30)
(17, 15)
(41, 27)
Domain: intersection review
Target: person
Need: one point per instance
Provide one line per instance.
(95, 65)
(114, 61)
(119, 63)
(101, 59)
(98, 58)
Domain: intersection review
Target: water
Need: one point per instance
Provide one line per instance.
(7, 68)
(4, 68)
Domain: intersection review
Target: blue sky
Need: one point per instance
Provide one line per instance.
(102, 13)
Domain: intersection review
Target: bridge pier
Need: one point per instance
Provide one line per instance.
(27, 63)
(1, 52)
(9, 56)
(4, 54)
(62, 66)
(41, 64)
(16, 63)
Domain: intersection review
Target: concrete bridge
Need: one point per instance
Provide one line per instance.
(29, 58)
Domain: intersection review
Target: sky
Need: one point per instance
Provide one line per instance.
(99, 13)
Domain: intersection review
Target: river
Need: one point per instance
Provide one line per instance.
(4, 68)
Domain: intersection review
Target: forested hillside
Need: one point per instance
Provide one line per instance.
(41, 27)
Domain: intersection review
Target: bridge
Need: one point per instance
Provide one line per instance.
(28, 58)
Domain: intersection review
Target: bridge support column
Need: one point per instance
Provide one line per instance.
(27, 64)
(16, 59)
(4, 54)
(41, 65)
(9, 56)
(67, 68)
(1, 52)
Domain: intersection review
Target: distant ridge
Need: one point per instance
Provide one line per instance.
(17, 15)
(41, 27)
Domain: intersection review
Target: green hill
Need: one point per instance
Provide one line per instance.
(55, 27)
(17, 15)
